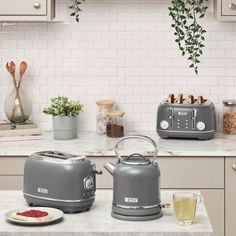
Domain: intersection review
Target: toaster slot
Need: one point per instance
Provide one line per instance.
(56, 155)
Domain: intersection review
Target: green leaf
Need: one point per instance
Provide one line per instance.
(188, 32)
(75, 8)
(62, 106)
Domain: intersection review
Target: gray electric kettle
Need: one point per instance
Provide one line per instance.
(136, 184)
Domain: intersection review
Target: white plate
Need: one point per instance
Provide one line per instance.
(53, 212)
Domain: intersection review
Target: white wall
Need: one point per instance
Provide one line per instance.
(122, 50)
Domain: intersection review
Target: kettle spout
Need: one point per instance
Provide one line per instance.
(110, 167)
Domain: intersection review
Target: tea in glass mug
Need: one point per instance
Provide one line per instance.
(185, 204)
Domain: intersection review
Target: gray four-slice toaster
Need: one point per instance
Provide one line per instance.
(60, 180)
(186, 118)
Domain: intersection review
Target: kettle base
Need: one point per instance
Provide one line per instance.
(136, 218)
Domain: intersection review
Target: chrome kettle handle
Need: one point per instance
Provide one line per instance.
(142, 137)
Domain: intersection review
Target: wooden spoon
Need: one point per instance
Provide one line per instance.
(11, 68)
(23, 67)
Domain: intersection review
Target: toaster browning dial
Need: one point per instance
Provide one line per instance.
(164, 124)
(88, 183)
(200, 125)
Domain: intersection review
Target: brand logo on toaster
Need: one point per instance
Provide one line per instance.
(182, 113)
(131, 199)
(42, 190)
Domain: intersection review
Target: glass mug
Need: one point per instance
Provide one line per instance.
(185, 205)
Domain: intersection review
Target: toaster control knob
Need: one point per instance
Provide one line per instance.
(164, 124)
(200, 125)
(88, 183)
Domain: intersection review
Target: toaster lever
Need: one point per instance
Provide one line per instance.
(171, 117)
(78, 158)
(194, 117)
(98, 172)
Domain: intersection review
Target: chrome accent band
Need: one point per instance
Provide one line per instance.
(136, 207)
(59, 200)
(187, 131)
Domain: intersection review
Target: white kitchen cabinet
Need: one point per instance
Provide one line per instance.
(27, 10)
(192, 172)
(225, 10)
(104, 181)
(214, 202)
(11, 173)
(11, 182)
(230, 196)
(204, 174)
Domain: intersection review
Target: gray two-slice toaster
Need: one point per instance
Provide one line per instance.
(186, 118)
(60, 180)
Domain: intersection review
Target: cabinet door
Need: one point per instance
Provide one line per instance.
(11, 182)
(11, 173)
(12, 165)
(230, 196)
(192, 172)
(105, 180)
(228, 7)
(214, 202)
(23, 7)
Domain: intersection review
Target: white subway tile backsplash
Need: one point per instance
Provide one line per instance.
(121, 50)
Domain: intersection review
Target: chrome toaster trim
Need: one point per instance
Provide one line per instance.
(59, 200)
(195, 131)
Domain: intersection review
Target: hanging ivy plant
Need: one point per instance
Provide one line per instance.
(189, 33)
(75, 8)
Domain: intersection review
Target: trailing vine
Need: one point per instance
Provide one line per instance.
(189, 34)
(75, 8)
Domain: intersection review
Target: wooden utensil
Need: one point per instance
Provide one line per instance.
(11, 68)
(200, 100)
(191, 99)
(23, 67)
(171, 98)
(180, 99)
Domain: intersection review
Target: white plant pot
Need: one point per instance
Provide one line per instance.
(65, 127)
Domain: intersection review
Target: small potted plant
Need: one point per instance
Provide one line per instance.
(65, 117)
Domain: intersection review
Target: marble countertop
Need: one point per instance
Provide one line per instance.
(93, 144)
(98, 221)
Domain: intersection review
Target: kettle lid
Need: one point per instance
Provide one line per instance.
(136, 159)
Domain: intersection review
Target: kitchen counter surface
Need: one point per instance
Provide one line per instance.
(98, 221)
(93, 144)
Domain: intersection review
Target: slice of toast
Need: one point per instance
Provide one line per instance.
(29, 218)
